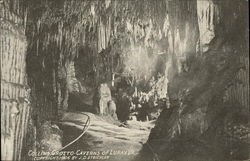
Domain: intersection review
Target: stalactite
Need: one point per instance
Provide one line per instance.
(208, 17)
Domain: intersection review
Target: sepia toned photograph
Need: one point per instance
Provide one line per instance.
(124, 80)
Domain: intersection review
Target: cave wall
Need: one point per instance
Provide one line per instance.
(208, 85)
(15, 99)
(204, 44)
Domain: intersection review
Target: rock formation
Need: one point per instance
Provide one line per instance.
(111, 110)
(205, 121)
(103, 101)
(66, 55)
(15, 93)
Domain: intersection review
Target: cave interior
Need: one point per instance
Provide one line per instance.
(181, 65)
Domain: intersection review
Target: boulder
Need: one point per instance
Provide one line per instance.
(49, 137)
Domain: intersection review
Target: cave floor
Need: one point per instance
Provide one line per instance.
(104, 136)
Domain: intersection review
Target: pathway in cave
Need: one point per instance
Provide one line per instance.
(104, 135)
